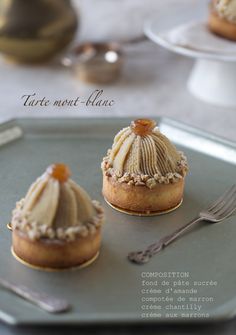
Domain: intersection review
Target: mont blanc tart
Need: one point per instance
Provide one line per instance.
(56, 225)
(222, 18)
(143, 173)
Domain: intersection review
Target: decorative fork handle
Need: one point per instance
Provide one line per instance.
(143, 256)
(44, 301)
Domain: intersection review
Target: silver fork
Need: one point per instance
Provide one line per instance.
(216, 212)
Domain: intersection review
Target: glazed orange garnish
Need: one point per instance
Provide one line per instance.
(143, 127)
(59, 171)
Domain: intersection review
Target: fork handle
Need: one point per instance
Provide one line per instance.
(179, 232)
(141, 257)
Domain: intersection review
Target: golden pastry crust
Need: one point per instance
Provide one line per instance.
(55, 254)
(220, 26)
(142, 199)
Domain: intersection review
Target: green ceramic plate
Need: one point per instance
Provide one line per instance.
(110, 290)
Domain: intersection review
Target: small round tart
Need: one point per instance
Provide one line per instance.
(53, 254)
(143, 173)
(220, 23)
(142, 200)
(56, 225)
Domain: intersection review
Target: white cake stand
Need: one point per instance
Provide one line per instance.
(213, 77)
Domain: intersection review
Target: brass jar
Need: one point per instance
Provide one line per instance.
(34, 31)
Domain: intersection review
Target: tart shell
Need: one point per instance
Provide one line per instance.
(141, 199)
(221, 27)
(55, 254)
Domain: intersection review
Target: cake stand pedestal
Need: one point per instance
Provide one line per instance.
(214, 82)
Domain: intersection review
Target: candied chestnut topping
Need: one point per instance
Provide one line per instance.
(143, 127)
(59, 171)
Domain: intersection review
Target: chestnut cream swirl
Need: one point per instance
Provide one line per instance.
(144, 159)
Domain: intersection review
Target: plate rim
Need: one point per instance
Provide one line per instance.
(154, 37)
(159, 118)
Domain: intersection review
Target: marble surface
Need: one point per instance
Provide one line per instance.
(153, 83)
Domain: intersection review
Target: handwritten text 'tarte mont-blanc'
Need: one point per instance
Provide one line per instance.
(95, 99)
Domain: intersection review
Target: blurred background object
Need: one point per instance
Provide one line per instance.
(97, 63)
(183, 29)
(35, 31)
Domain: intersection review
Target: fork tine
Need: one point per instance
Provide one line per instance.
(224, 196)
(231, 211)
(224, 203)
(228, 212)
(227, 208)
